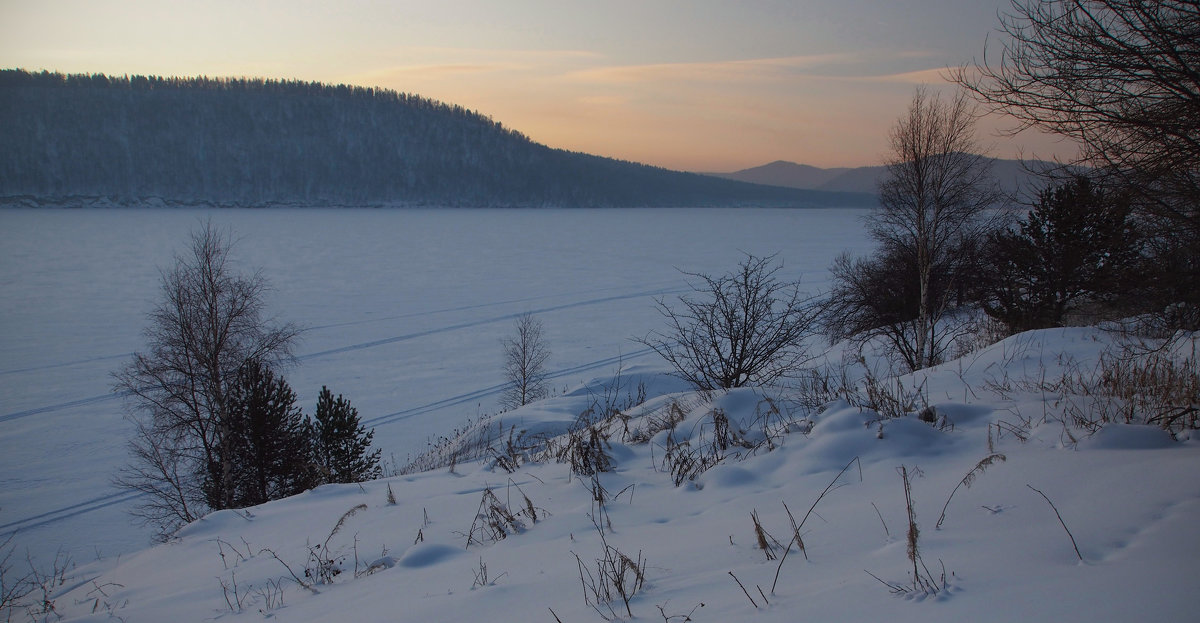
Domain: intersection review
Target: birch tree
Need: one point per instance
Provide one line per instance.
(525, 355)
(208, 323)
(933, 206)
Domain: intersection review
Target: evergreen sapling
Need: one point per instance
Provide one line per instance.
(341, 443)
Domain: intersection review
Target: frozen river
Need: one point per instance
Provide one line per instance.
(404, 312)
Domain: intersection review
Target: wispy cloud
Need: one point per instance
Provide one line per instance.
(436, 71)
(842, 66)
(436, 63)
(716, 71)
(923, 76)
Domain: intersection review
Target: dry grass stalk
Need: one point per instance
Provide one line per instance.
(1060, 521)
(975, 472)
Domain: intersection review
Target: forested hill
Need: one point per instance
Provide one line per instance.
(252, 142)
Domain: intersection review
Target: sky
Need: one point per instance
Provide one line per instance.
(697, 85)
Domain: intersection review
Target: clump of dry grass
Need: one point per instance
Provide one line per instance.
(494, 521)
(617, 576)
(922, 581)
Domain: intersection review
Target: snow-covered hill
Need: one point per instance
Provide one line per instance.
(547, 541)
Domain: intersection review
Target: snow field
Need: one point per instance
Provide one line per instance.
(1123, 493)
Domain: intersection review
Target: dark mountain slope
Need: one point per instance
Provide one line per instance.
(263, 142)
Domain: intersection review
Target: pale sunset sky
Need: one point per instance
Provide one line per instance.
(696, 85)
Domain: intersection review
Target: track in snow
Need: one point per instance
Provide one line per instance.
(119, 497)
(360, 346)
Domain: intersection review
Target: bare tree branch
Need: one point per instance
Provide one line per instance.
(1119, 77)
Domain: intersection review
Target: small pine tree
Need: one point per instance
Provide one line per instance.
(269, 438)
(340, 443)
(1069, 252)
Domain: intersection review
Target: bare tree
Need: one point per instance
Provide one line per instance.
(749, 328)
(1119, 77)
(525, 355)
(1122, 79)
(879, 297)
(207, 325)
(933, 206)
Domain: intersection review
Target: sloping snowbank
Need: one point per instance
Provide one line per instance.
(1127, 495)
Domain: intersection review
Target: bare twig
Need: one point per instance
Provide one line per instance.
(1060, 520)
(739, 583)
(295, 577)
(886, 532)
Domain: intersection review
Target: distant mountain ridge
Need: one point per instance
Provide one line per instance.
(137, 140)
(1013, 176)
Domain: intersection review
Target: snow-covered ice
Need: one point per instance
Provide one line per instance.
(405, 310)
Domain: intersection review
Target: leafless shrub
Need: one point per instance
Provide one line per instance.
(235, 603)
(13, 587)
(45, 584)
(269, 594)
(747, 327)
(1115, 76)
